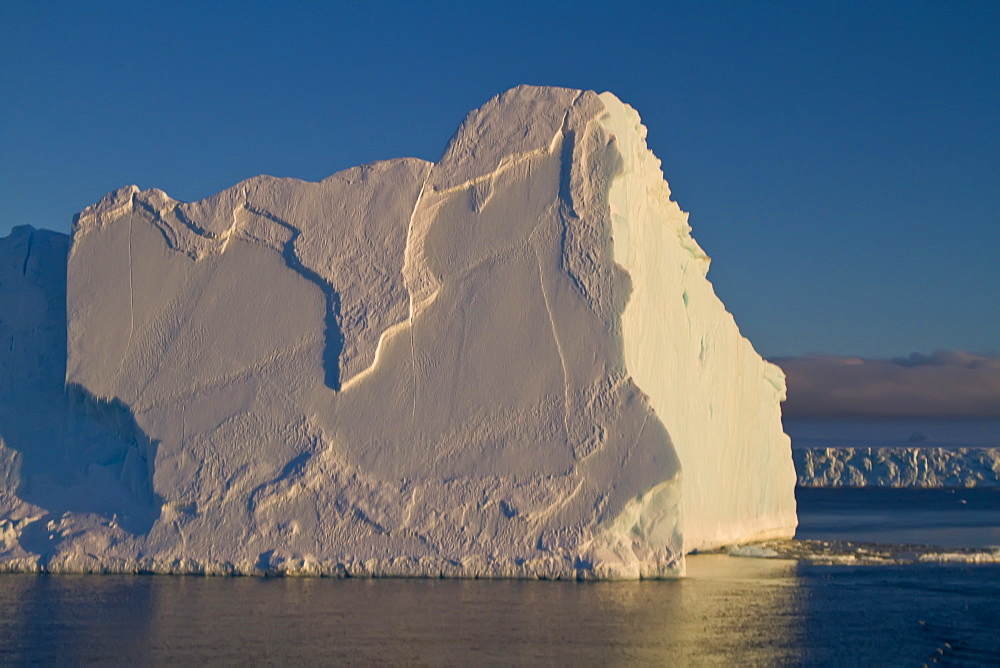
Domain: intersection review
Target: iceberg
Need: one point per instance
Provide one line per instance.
(508, 363)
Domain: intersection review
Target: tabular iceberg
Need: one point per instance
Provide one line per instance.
(509, 363)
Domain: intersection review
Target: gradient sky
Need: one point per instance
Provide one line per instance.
(841, 161)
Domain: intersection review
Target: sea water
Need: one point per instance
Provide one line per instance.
(727, 609)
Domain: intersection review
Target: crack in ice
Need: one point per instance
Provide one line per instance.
(131, 301)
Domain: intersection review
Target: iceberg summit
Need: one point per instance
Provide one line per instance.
(508, 363)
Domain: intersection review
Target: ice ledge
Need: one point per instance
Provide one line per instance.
(473, 568)
(110, 208)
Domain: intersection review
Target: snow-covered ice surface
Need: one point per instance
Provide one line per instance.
(509, 363)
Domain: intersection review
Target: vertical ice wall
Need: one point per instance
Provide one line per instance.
(717, 397)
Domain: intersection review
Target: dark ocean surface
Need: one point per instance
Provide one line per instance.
(728, 610)
(948, 518)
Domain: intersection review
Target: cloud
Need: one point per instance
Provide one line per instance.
(942, 384)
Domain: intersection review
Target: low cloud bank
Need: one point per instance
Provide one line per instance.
(942, 384)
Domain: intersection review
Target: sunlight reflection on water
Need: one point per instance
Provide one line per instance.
(727, 609)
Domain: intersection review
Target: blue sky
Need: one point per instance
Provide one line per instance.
(841, 161)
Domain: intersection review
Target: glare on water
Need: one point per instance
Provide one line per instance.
(726, 609)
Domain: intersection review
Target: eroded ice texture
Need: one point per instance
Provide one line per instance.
(508, 363)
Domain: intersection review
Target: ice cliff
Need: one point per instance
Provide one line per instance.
(509, 363)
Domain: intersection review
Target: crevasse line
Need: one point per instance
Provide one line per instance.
(131, 301)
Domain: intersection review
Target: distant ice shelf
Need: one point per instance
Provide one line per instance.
(898, 466)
